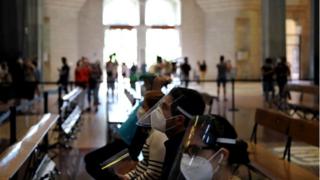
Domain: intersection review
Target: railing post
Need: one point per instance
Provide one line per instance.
(45, 102)
(59, 99)
(13, 125)
(46, 110)
(233, 108)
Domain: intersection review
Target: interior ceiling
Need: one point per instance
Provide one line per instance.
(72, 4)
(224, 5)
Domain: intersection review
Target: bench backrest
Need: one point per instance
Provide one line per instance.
(303, 90)
(306, 131)
(71, 120)
(272, 119)
(71, 96)
(208, 100)
(14, 157)
(309, 89)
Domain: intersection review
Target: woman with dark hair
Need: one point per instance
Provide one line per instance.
(210, 150)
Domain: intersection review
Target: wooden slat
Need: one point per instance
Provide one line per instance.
(13, 158)
(39, 130)
(71, 120)
(309, 89)
(72, 95)
(306, 131)
(274, 120)
(274, 167)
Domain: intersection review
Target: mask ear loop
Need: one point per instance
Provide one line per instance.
(215, 170)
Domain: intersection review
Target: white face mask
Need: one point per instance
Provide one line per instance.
(199, 168)
(158, 120)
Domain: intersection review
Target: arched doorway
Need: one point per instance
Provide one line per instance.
(293, 47)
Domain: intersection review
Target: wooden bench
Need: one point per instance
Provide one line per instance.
(16, 155)
(39, 130)
(275, 168)
(303, 130)
(70, 114)
(302, 105)
(262, 160)
(209, 100)
(47, 169)
(71, 96)
(71, 120)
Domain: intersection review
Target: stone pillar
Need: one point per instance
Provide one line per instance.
(63, 17)
(40, 40)
(273, 28)
(314, 41)
(141, 35)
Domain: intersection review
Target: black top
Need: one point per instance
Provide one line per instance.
(282, 71)
(172, 148)
(267, 72)
(64, 74)
(185, 68)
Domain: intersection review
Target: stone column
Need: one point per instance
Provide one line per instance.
(314, 41)
(141, 35)
(40, 40)
(63, 17)
(273, 28)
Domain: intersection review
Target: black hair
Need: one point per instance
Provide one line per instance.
(64, 59)
(283, 59)
(159, 59)
(221, 58)
(221, 128)
(189, 100)
(269, 60)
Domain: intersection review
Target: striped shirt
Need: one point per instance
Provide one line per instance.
(153, 156)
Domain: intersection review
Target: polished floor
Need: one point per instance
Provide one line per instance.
(95, 129)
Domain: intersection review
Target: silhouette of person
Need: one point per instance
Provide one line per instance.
(222, 77)
(185, 69)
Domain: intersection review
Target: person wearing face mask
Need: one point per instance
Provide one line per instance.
(134, 143)
(153, 149)
(171, 116)
(210, 150)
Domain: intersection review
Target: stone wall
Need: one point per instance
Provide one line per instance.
(229, 33)
(192, 32)
(91, 34)
(61, 21)
(74, 29)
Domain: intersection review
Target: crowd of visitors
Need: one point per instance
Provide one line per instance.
(88, 77)
(176, 138)
(274, 72)
(19, 80)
